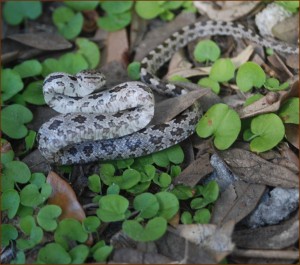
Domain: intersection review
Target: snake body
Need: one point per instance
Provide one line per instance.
(113, 124)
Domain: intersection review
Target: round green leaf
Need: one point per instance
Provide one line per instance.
(18, 171)
(206, 50)
(53, 253)
(250, 75)
(13, 119)
(91, 224)
(114, 22)
(51, 65)
(164, 180)
(113, 189)
(89, 50)
(68, 23)
(20, 258)
(47, 215)
(27, 223)
(11, 83)
(107, 171)
(161, 158)
(7, 153)
(210, 191)
(139, 188)
(112, 208)
(183, 192)
(222, 122)
(10, 202)
(94, 183)
(37, 179)
(168, 204)
(133, 70)
(202, 216)
(73, 63)
(101, 254)
(146, 204)
(209, 83)
(79, 254)
(15, 11)
(33, 93)
(289, 111)
(154, 229)
(130, 178)
(28, 68)
(222, 70)
(149, 9)
(8, 232)
(36, 236)
(82, 5)
(269, 131)
(186, 218)
(67, 230)
(112, 7)
(175, 154)
(30, 196)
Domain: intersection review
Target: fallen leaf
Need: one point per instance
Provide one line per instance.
(254, 169)
(236, 202)
(292, 134)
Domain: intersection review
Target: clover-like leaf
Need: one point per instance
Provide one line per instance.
(7, 153)
(91, 223)
(101, 254)
(28, 68)
(129, 178)
(30, 196)
(289, 111)
(73, 63)
(94, 183)
(209, 83)
(133, 70)
(114, 22)
(11, 83)
(222, 70)
(13, 119)
(35, 237)
(53, 253)
(202, 216)
(183, 192)
(268, 131)
(154, 229)
(79, 254)
(8, 232)
(33, 93)
(17, 171)
(207, 50)
(168, 204)
(112, 7)
(148, 9)
(222, 122)
(82, 5)
(147, 204)
(10, 202)
(47, 215)
(112, 208)
(186, 218)
(89, 50)
(250, 75)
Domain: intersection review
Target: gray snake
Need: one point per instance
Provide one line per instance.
(120, 131)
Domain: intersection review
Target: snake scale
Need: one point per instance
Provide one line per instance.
(112, 124)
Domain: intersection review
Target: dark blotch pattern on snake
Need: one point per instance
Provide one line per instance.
(113, 124)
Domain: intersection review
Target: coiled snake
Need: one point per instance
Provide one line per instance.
(112, 124)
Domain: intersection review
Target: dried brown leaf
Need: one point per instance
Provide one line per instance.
(269, 237)
(292, 134)
(254, 169)
(198, 169)
(42, 40)
(236, 202)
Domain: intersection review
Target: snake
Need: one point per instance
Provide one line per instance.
(100, 125)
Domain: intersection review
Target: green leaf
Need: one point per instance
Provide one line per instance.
(28, 68)
(146, 204)
(209, 83)
(113, 189)
(30, 140)
(168, 204)
(94, 183)
(27, 223)
(222, 122)
(202, 216)
(68, 23)
(269, 131)
(161, 158)
(148, 10)
(89, 50)
(154, 229)
(164, 180)
(69, 230)
(222, 70)
(289, 111)
(79, 254)
(82, 5)
(13, 119)
(178, 78)
(10, 202)
(291, 6)
(273, 84)
(252, 99)
(133, 70)
(8, 232)
(7, 153)
(175, 154)
(114, 22)
(116, 7)
(18, 171)
(19, 259)
(186, 218)
(183, 192)
(172, 4)
(30, 196)
(112, 208)
(47, 215)
(73, 63)
(130, 178)
(91, 224)
(124, 163)
(101, 254)
(210, 191)
(139, 188)
(53, 253)
(206, 50)
(36, 236)
(33, 93)
(149, 173)
(107, 171)
(250, 75)
(14, 12)
(11, 83)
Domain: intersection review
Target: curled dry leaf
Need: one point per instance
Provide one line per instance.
(42, 41)
(269, 237)
(254, 169)
(225, 10)
(292, 134)
(236, 202)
